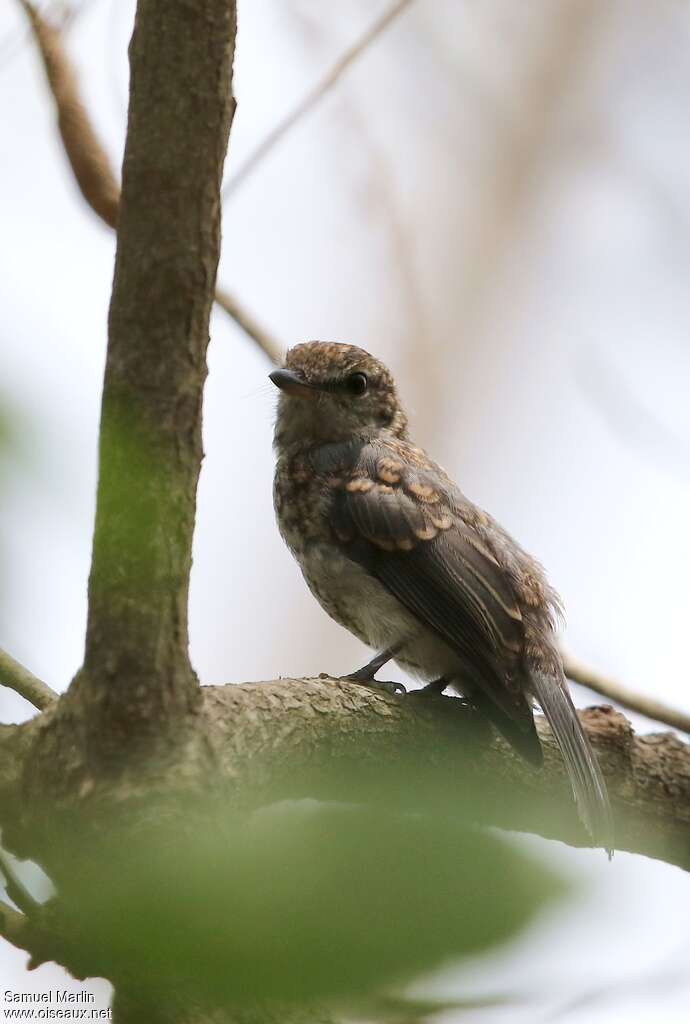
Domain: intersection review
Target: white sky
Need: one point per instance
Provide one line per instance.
(539, 330)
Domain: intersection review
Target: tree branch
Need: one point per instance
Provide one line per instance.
(44, 937)
(86, 155)
(615, 691)
(15, 888)
(313, 97)
(14, 926)
(25, 683)
(364, 734)
(254, 744)
(292, 738)
(91, 166)
(254, 331)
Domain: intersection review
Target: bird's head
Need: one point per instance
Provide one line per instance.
(332, 392)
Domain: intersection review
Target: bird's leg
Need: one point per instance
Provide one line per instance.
(367, 673)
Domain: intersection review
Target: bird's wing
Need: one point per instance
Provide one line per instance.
(395, 519)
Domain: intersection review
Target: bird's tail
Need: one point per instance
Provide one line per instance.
(586, 779)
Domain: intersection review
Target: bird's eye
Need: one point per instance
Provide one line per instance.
(357, 383)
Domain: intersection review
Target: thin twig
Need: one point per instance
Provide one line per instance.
(266, 342)
(90, 163)
(13, 926)
(615, 691)
(40, 938)
(86, 155)
(13, 43)
(313, 97)
(16, 890)
(25, 683)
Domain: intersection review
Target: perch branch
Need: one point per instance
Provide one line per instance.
(25, 683)
(362, 731)
(257, 743)
(329, 739)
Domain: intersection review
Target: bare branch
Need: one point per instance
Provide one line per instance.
(257, 743)
(25, 683)
(45, 937)
(365, 733)
(620, 694)
(14, 926)
(329, 739)
(86, 155)
(16, 890)
(313, 97)
(89, 160)
(245, 321)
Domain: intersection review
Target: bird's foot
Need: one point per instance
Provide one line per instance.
(366, 680)
(433, 689)
(388, 687)
(362, 675)
(376, 684)
(366, 674)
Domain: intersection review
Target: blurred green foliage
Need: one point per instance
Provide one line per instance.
(306, 902)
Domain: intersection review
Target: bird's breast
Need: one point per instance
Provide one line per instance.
(354, 598)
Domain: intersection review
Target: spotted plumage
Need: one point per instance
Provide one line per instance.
(394, 551)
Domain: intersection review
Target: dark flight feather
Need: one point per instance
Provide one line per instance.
(588, 784)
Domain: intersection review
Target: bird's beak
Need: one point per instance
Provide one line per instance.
(293, 384)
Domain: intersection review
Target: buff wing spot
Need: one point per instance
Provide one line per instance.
(360, 485)
(426, 533)
(389, 471)
(425, 492)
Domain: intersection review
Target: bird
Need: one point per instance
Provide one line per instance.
(394, 552)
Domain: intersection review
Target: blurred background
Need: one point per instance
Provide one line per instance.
(494, 198)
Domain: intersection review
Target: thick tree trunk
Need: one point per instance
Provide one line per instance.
(127, 713)
(137, 675)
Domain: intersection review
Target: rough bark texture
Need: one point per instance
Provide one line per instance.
(259, 741)
(136, 670)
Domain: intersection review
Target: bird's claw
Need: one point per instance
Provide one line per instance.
(362, 675)
(375, 684)
(388, 687)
